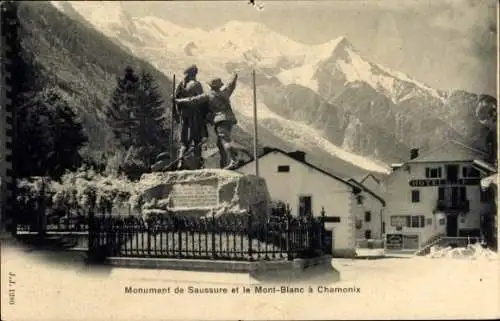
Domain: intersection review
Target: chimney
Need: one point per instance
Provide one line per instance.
(266, 149)
(414, 153)
(298, 155)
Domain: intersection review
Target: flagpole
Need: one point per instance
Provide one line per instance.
(255, 132)
(172, 122)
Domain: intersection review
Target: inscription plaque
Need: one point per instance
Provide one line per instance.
(202, 194)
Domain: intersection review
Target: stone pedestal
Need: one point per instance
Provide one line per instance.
(204, 192)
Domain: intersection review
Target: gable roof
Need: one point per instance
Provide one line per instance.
(363, 178)
(366, 189)
(421, 158)
(484, 166)
(269, 150)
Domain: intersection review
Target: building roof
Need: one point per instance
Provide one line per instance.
(363, 178)
(269, 150)
(447, 144)
(369, 191)
(484, 166)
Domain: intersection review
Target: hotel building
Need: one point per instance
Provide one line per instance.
(436, 194)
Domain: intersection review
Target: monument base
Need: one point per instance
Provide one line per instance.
(204, 192)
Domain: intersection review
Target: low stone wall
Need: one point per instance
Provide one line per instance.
(344, 253)
(279, 272)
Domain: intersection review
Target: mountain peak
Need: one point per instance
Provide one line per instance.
(244, 27)
(334, 49)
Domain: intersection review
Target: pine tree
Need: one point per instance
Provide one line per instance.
(121, 111)
(136, 115)
(153, 133)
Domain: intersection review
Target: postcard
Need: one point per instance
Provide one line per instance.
(244, 160)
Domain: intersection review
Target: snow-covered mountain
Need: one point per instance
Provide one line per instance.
(325, 97)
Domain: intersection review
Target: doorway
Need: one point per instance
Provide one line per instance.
(452, 172)
(305, 205)
(328, 241)
(452, 225)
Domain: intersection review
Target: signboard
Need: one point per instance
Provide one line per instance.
(394, 241)
(199, 195)
(332, 219)
(410, 241)
(399, 220)
(443, 182)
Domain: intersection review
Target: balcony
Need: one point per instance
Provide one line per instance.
(453, 205)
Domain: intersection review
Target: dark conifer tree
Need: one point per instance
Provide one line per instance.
(136, 114)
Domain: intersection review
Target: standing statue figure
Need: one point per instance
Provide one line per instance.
(221, 115)
(193, 127)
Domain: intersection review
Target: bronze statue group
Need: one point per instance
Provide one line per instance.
(194, 110)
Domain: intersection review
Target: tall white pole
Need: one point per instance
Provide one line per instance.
(255, 133)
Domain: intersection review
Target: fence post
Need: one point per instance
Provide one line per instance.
(148, 233)
(179, 235)
(322, 242)
(249, 232)
(41, 214)
(288, 233)
(214, 254)
(92, 235)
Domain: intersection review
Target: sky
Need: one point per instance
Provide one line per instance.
(448, 44)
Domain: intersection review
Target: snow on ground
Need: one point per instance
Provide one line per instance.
(472, 252)
(416, 287)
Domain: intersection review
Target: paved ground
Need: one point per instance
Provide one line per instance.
(51, 286)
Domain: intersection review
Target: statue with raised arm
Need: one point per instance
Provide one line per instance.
(193, 128)
(221, 115)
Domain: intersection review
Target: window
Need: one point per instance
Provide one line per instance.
(305, 205)
(484, 196)
(368, 234)
(383, 227)
(417, 221)
(442, 221)
(441, 193)
(468, 171)
(283, 168)
(398, 220)
(433, 172)
(368, 216)
(359, 199)
(415, 196)
(463, 193)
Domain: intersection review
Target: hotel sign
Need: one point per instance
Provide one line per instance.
(394, 241)
(443, 182)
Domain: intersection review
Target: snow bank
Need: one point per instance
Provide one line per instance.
(472, 252)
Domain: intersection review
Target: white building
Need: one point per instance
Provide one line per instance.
(370, 221)
(308, 189)
(436, 194)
